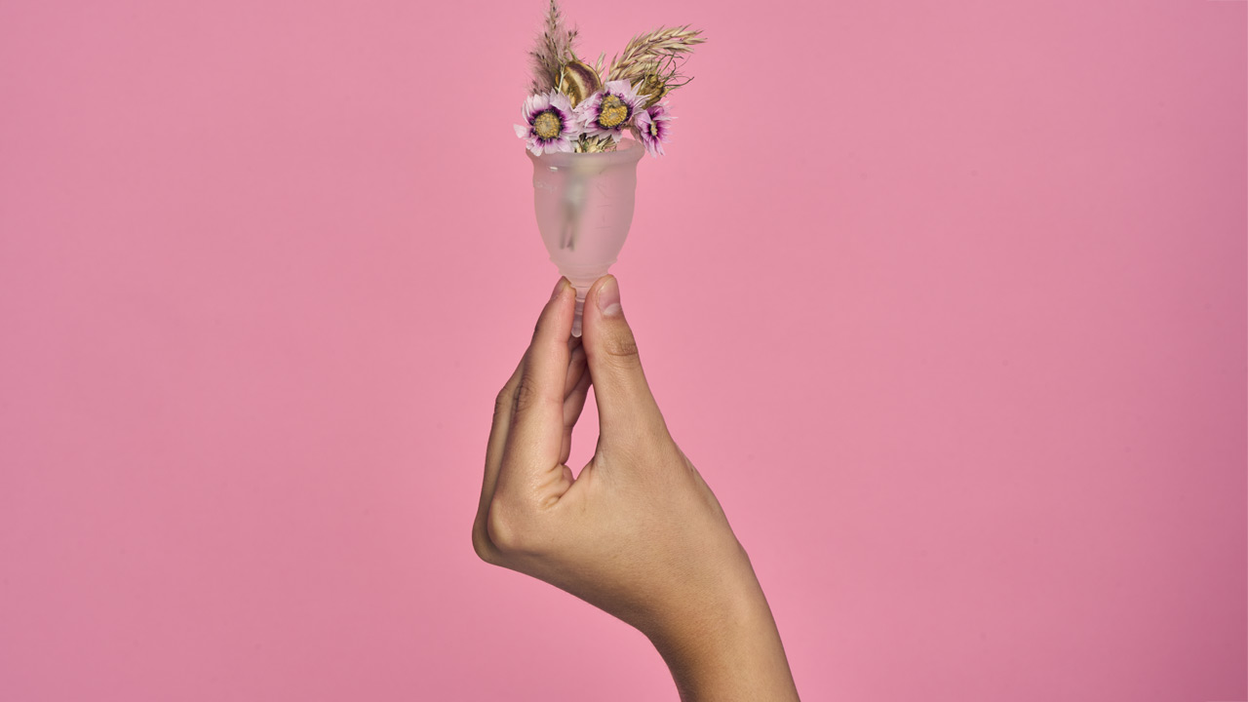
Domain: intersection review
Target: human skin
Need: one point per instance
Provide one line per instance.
(638, 533)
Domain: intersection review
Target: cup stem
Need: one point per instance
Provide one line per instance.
(580, 312)
(582, 283)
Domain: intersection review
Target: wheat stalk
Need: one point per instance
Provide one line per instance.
(644, 53)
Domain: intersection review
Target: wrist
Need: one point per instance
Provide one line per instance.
(730, 650)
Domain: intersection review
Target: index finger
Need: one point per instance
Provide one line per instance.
(535, 441)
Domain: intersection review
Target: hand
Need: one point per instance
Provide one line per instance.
(638, 533)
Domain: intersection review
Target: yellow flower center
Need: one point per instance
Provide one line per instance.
(613, 112)
(547, 125)
(654, 129)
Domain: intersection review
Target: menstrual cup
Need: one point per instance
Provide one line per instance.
(584, 207)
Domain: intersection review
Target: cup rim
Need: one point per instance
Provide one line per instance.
(628, 150)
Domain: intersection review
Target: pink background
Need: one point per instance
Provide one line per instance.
(946, 300)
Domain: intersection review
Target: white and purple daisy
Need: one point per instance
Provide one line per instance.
(551, 124)
(610, 111)
(653, 125)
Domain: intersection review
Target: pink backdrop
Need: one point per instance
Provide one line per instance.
(946, 300)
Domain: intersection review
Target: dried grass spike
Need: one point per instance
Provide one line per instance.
(645, 53)
(553, 49)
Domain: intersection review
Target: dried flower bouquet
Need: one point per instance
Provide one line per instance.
(578, 108)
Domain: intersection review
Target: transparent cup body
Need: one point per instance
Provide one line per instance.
(584, 208)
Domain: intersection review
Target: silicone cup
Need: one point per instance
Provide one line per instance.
(584, 207)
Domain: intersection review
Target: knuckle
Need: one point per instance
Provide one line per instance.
(502, 529)
(515, 530)
(622, 350)
(526, 394)
(502, 403)
(481, 544)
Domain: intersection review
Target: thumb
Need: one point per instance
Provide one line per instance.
(625, 405)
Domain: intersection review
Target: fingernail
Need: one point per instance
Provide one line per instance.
(609, 297)
(558, 288)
